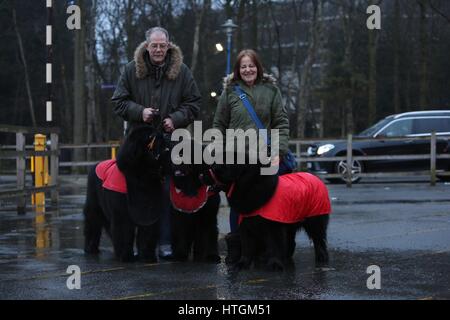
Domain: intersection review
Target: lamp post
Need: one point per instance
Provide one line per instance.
(229, 27)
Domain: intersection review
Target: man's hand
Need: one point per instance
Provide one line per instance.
(168, 125)
(148, 114)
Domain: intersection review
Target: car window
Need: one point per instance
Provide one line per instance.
(375, 128)
(429, 125)
(398, 128)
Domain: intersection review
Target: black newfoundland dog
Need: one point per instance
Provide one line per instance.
(272, 209)
(123, 197)
(194, 214)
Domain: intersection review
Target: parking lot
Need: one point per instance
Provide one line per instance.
(402, 227)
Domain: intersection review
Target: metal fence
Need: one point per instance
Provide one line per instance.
(302, 157)
(20, 152)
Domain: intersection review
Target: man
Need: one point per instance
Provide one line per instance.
(157, 86)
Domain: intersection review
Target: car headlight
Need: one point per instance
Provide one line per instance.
(325, 148)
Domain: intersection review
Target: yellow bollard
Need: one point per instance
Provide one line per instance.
(113, 152)
(32, 173)
(39, 177)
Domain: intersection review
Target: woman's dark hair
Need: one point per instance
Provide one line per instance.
(255, 59)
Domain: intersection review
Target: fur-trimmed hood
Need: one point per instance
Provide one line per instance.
(229, 80)
(176, 60)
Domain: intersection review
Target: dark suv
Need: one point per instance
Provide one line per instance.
(410, 124)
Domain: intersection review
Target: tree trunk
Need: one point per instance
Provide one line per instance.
(79, 114)
(397, 31)
(372, 83)
(254, 31)
(305, 78)
(322, 58)
(25, 67)
(423, 90)
(278, 40)
(199, 12)
(130, 30)
(65, 109)
(95, 128)
(240, 18)
(290, 88)
(347, 62)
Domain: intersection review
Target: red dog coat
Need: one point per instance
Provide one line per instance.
(298, 196)
(113, 179)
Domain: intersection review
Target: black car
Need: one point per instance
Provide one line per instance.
(410, 124)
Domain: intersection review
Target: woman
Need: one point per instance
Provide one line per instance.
(265, 98)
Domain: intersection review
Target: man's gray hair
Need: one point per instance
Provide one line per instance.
(150, 31)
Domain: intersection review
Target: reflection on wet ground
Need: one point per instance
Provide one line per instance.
(409, 241)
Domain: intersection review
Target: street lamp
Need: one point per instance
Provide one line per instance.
(219, 47)
(229, 27)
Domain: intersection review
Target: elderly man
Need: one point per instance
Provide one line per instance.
(157, 88)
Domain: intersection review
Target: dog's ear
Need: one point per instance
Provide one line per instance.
(134, 148)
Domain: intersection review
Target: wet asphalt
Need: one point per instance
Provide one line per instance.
(403, 227)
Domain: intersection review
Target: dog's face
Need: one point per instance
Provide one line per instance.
(246, 188)
(142, 151)
(225, 174)
(186, 176)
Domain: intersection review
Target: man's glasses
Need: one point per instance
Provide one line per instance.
(162, 46)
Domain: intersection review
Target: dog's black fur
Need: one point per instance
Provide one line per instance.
(196, 231)
(264, 240)
(121, 214)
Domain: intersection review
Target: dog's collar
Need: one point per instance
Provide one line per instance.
(219, 183)
(230, 191)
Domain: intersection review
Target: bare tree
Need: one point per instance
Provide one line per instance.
(254, 25)
(79, 114)
(94, 122)
(291, 85)
(25, 67)
(305, 74)
(199, 8)
(348, 12)
(423, 89)
(278, 39)
(396, 72)
(372, 83)
(240, 21)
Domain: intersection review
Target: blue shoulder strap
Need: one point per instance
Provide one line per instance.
(241, 94)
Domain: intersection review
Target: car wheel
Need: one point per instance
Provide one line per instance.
(341, 168)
